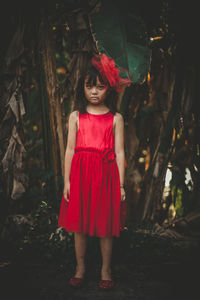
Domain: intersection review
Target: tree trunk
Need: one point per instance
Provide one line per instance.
(54, 105)
(155, 118)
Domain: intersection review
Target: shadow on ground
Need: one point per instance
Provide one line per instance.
(143, 267)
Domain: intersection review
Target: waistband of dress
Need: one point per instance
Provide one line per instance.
(92, 149)
(108, 154)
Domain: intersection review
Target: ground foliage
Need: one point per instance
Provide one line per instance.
(143, 266)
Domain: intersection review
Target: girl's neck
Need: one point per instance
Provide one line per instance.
(97, 109)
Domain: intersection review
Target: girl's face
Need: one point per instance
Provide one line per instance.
(95, 94)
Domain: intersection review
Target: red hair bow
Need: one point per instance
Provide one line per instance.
(109, 73)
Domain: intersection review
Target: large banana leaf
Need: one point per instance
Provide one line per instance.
(121, 35)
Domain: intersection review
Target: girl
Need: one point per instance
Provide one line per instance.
(93, 201)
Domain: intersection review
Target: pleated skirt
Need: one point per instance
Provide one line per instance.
(95, 207)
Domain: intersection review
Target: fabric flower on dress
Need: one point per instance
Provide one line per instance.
(108, 155)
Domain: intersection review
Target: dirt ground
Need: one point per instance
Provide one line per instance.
(147, 270)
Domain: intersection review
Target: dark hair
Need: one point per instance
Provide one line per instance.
(81, 102)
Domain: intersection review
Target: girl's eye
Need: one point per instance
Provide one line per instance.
(99, 86)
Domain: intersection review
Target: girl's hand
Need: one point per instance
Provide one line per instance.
(66, 191)
(123, 195)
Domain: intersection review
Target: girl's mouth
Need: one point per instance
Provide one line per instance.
(94, 98)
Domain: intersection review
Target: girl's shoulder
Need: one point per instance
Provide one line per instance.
(74, 114)
(73, 117)
(118, 117)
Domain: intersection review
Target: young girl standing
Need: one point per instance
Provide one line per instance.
(93, 201)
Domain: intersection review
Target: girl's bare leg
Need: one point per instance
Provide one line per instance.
(80, 249)
(106, 252)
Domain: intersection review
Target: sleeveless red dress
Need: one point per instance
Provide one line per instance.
(95, 207)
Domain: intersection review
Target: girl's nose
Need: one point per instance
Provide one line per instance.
(94, 90)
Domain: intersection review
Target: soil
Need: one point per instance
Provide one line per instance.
(148, 269)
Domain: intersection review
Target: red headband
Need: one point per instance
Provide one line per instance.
(109, 73)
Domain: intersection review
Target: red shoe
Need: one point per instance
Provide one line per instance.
(76, 282)
(106, 284)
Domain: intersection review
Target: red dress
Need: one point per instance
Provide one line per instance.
(95, 207)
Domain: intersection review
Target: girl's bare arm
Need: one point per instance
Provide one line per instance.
(119, 145)
(71, 143)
